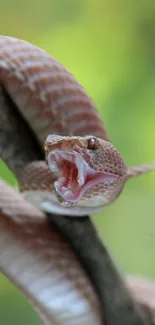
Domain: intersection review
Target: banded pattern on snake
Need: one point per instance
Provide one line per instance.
(88, 173)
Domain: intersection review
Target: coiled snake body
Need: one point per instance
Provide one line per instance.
(87, 173)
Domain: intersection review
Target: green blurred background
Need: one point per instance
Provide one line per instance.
(109, 45)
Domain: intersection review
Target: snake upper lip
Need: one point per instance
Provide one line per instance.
(76, 176)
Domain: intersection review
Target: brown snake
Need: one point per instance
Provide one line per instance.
(88, 173)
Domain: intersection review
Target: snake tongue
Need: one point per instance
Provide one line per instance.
(76, 176)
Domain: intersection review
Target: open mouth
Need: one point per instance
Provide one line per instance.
(75, 175)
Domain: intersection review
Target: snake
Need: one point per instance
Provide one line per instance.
(82, 172)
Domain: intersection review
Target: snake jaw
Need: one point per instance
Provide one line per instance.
(75, 176)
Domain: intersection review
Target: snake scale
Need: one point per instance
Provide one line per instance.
(87, 173)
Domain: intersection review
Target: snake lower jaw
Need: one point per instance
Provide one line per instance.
(70, 211)
(48, 202)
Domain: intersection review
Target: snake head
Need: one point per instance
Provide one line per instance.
(90, 171)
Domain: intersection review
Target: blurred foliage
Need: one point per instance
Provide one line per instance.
(110, 47)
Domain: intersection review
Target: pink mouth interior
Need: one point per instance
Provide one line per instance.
(76, 177)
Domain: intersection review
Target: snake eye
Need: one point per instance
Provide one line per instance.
(92, 144)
